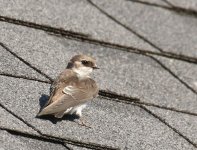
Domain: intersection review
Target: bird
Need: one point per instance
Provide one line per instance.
(72, 89)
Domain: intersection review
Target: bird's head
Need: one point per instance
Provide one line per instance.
(83, 65)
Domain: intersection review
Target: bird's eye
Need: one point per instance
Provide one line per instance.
(84, 62)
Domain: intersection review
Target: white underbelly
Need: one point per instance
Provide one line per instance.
(75, 110)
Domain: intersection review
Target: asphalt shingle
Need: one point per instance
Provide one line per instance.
(166, 29)
(114, 124)
(187, 72)
(9, 121)
(11, 65)
(187, 4)
(159, 14)
(13, 142)
(153, 25)
(158, 2)
(71, 15)
(135, 75)
(72, 147)
(186, 124)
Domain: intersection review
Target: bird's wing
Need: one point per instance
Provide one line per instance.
(63, 77)
(70, 95)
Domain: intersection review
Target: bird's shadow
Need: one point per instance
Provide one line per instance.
(43, 101)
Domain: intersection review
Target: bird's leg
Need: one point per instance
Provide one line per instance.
(82, 121)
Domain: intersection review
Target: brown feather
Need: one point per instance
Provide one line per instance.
(85, 89)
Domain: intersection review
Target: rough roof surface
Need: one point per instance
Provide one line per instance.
(147, 52)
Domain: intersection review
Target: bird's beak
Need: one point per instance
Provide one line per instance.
(95, 67)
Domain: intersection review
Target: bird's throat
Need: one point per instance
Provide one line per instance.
(83, 72)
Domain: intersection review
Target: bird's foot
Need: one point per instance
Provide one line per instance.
(83, 122)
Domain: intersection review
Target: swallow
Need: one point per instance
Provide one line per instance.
(72, 89)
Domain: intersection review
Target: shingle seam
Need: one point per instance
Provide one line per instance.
(51, 80)
(66, 145)
(59, 140)
(173, 8)
(109, 95)
(87, 39)
(23, 77)
(46, 76)
(149, 42)
(94, 145)
(125, 26)
(43, 27)
(133, 102)
(31, 136)
(174, 75)
(168, 125)
(150, 113)
(25, 62)
(90, 145)
(51, 139)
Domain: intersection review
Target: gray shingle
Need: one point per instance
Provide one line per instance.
(186, 124)
(187, 72)
(166, 29)
(132, 74)
(188, 4)
(13, 142)
(9, 121)
(115, 124)
(158, 2)
(9, 64)
(71, 15)
(72, 147)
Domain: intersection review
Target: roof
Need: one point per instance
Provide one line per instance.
(148, 78)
